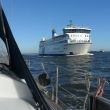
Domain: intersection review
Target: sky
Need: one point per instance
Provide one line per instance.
(30, 20)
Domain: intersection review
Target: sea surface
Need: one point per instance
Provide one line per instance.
(74, 72)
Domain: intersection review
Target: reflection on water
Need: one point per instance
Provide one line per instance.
(72, 71)
(3, 53)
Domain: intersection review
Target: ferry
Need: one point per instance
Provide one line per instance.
(18, 89)
(75, 40)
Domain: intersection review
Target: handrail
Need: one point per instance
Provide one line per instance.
(87, 79)
(101, 103)
(68, 92)
(57, 85)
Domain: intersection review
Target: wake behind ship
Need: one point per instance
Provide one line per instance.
(74, 41)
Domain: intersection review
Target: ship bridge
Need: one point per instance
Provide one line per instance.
(75, 29)
(77, 34)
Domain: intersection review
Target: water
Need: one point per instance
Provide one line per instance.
(72, 71)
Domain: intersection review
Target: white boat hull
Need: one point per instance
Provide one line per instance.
(66, 49)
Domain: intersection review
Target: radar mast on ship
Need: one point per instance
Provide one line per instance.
(54, 33)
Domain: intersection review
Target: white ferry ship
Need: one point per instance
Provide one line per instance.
(74, 41)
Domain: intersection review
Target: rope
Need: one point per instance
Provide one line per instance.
(99, 92)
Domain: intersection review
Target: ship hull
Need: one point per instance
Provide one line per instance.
(77, 49)
(66, 49)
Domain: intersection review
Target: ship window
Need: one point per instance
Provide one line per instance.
(76, 31)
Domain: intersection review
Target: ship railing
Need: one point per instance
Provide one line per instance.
(62, 104)
(55, 89)
(88, 77)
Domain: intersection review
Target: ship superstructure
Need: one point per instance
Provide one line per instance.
(74, 41)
